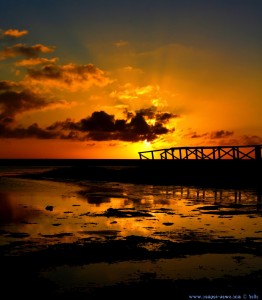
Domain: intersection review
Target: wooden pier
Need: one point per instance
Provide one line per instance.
(231, 166)
(250, 152)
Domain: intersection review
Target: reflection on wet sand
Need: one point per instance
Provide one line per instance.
(9, 213)
(130, 209)
(185, 230)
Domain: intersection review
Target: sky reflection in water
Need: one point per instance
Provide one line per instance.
(40, 212)
(55, 211)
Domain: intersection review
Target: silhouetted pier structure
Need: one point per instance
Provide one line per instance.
(231, 166)
(251, 152)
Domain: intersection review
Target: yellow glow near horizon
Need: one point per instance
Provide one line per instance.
(189, 88)
(147, 144)
(66, 149)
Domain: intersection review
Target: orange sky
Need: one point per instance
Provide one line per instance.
(106, 79)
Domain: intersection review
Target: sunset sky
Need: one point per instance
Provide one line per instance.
(109, 78)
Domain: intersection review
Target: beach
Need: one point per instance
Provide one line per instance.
(106, 230)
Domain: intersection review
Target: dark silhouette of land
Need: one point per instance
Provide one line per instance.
(217, 173)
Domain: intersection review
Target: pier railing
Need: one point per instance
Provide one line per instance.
(252, 152)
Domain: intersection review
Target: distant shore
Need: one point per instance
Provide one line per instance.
(217, 173)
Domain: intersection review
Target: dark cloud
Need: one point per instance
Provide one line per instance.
(100, 126)
(32, 131)
(6, 85)
(225, 137)
(24, 50)
(195, 135)
(148, 112)
(14, 102)
(99, 121)
(221, 134)
(69, 76)
(251, 140)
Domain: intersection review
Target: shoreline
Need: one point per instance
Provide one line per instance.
(217, 173)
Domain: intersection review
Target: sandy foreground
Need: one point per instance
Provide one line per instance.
(24, 265)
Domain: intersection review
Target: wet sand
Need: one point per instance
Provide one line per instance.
(21, 273)
(28, 269)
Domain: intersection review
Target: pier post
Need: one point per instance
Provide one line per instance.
(258, 152)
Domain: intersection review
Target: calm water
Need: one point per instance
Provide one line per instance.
(41, 213)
